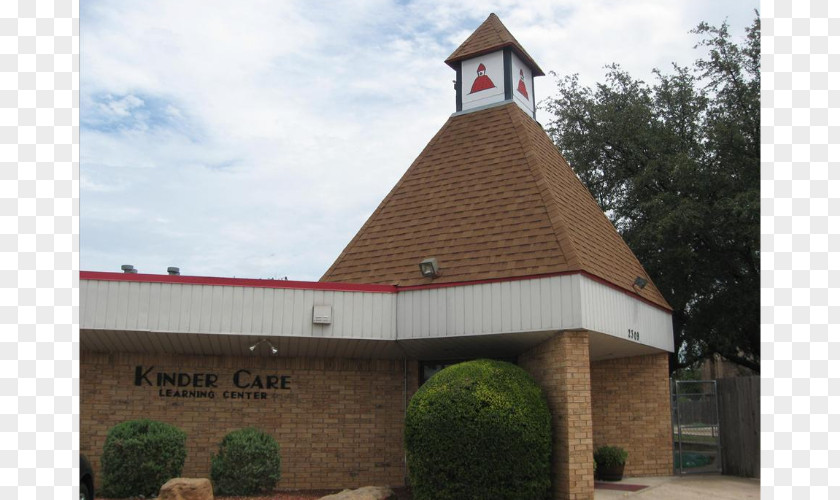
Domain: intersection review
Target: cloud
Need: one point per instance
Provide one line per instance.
(255, 138)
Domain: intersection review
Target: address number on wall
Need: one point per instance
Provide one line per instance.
(632, 334)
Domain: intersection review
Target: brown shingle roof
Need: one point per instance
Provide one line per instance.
(490, 197)
(489, 37)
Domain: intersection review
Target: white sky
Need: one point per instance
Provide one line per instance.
(253, 139)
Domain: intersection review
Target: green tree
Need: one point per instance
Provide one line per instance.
(675, 165)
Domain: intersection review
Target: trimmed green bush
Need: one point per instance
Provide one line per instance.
(610, 456)
(139, 456)
(479, 430)
(248, 462)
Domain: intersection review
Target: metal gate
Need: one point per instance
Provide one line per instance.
(695, 417)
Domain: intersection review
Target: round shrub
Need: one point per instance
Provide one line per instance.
(479, 430)
(140, 456)
(248, 462)
(610, 456)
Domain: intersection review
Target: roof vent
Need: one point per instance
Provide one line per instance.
(173, 271)
(128, 268)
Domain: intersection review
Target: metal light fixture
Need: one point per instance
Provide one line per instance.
(640, 282)
(264, 341)
(429, 268)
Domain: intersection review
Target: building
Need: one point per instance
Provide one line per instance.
(518, 263)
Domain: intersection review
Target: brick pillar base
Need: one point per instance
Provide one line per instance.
(560, 366)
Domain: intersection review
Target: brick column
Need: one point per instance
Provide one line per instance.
(560, 366)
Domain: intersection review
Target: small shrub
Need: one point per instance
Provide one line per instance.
(610, 456)
(248, 462)
(479, 430)
(139, 456)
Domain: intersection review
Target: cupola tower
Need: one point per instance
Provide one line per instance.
(492, 67)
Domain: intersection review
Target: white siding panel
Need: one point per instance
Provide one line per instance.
(505, 313)
(358, 315)
(164, 318)
(216, 301)
(128, 306)
(155, 292)
(344, 315)
(559, 305)
(183, 297)
(488, 308)
(143, 300)
(287, 320)
(536, 302)
(209, 309)
(195, 314)
(484, 309)
(613, 312)
(401, 317)
(442, 309)
(424, 309)
(109, 307)
(258, 311)
(389, 306)
(496, 307)
(203, 304)
(226, 310)
(297, 316)
(247, 306)
(546, 304)
(91, 301)
(307, 301)
(237, 309)
(469, 310)
(278, 315)
(576, 301)
(560, 302)
(460, 312)
(525, 306)
(515, 302)
(376, 320)
(367, 315)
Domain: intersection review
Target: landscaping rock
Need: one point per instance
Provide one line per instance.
(366, 493)
(184, 488)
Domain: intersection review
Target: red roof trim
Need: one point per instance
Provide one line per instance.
(336, 287)
(257, 283)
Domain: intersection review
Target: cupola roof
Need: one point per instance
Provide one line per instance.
(489, 37)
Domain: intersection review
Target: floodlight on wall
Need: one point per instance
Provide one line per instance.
(264, 341)
(429, 267)
(640, 282)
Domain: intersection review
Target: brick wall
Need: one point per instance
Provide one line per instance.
(560, 366)
(631, 408)
(339, 424)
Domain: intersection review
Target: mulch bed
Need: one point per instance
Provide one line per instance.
(402, 494)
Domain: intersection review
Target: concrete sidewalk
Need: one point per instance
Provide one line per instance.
(693, 487)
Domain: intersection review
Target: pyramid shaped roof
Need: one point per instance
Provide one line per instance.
(490, 197)
(490, 36)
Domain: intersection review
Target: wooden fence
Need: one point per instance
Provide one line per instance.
(740, 423)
